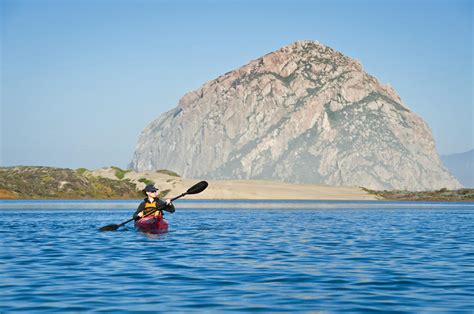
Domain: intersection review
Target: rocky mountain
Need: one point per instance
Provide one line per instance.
(461, 166)
(305, 114)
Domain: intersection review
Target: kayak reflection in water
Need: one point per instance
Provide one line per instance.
(152, 202)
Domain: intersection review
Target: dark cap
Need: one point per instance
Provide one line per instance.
(150, 188)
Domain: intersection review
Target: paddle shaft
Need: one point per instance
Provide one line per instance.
(152, 211)
(197, 188)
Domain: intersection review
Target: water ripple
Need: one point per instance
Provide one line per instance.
(331, 258)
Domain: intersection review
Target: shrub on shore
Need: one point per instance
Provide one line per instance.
(441, 195)
(119, 173)
(61, 183)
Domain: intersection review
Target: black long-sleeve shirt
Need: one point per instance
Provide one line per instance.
(159, 203)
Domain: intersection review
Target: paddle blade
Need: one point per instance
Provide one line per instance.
(197, 188)
(109, 228)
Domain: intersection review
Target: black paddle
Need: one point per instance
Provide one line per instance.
(195, 189)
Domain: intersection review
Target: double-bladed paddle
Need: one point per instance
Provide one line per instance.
(195, 189)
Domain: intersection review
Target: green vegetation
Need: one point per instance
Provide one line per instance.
(146, 181)
(442, 195)
(61, 183)
(81, 171)
(168, 172)
(120, 173)
(25, 182)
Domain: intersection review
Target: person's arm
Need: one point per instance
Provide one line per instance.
(139, 212)
(169, 207)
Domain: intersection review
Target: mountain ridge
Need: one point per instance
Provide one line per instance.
(461, 165)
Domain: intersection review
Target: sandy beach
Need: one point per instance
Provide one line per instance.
(243, 189)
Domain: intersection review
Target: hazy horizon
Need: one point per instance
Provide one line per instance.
(81, 79)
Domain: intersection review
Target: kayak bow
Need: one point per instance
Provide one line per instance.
(150, 224)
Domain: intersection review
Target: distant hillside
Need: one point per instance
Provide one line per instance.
(58, 183)
(461, 166)
(442, 195)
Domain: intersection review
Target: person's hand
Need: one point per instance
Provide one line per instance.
(140, 214)
(168, 202)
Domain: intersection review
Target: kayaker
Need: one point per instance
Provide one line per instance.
(151, 202)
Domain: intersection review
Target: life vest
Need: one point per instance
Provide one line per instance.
(151, 206)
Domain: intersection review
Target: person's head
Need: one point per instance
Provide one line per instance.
(150, 191)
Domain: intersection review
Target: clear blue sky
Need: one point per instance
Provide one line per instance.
(81, 78)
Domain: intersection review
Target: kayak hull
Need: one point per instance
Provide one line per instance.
(151, 225)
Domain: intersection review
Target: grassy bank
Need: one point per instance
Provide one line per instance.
(61, 183)
(442, 195)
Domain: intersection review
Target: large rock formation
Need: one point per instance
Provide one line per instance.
(305, 113)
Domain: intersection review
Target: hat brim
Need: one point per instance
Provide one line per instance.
(150, 190)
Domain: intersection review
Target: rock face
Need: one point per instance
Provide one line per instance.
(304, 114)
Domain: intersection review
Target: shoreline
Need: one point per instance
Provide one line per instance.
(228, 200)
(112, 183)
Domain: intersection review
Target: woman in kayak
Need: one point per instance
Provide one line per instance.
(152, 202)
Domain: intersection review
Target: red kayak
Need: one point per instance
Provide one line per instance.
(151, 224)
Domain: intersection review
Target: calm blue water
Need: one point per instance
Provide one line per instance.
(302, 257)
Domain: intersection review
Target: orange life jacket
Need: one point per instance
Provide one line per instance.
(151, 206)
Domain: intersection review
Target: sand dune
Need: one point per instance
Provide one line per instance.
(242, 189)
